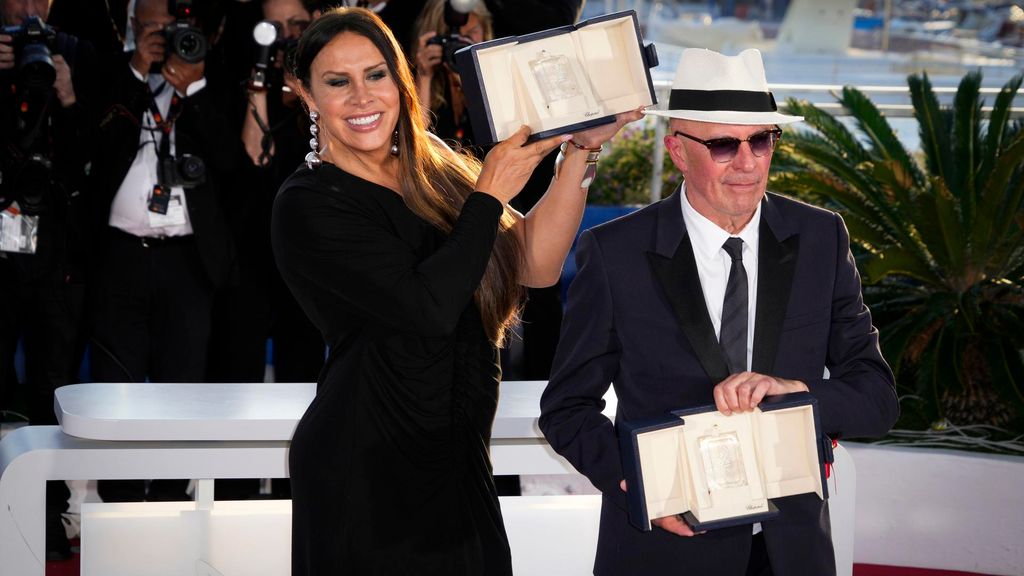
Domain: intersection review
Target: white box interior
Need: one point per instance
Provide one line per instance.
(607, 54)
(780, 455)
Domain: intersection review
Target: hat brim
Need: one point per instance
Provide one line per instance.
(728, 117)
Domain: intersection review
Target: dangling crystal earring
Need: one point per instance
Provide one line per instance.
(313, 158)
(394, 144)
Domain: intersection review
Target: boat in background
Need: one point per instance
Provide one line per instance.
(815, 44)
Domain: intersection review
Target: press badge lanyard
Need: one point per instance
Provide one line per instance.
(160, 199)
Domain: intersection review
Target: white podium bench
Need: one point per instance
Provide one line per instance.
(207, 431)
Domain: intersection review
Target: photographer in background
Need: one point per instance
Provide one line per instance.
(444, 27)
(162, 240)
(45, 113)
(274, 138)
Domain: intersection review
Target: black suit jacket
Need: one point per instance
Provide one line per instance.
(636, 320)
(200, 130)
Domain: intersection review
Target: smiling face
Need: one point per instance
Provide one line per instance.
(725, 193)
(351, 88)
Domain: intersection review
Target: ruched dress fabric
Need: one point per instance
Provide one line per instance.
(389, 465)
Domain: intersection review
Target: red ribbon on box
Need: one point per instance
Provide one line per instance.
(828, 465)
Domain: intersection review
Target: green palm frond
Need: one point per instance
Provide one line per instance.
(999, 206)
(939, 241)
(834, 133)
(885, 144)
(933, 127)
(999, 125)
(966, 142)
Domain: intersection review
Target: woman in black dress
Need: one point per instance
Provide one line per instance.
(408, 259)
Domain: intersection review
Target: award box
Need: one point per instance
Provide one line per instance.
(557, 81)
(718, 471)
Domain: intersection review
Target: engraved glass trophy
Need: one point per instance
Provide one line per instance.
(563, 86)
(722, 457)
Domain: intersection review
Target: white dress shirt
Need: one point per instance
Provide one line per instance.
(713, 263)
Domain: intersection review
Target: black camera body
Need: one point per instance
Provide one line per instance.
(450, 44)
(29, 182)
(186, 171)
(184, 39)
(34, 43)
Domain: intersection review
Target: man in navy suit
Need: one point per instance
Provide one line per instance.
(720, 294)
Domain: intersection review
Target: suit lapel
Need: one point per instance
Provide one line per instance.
(673, 265)
(776, 261)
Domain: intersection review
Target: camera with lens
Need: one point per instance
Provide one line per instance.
(456, 14)
(33, 43)
(28, 182)
(184, 39)
(271, 45)
(186, 171)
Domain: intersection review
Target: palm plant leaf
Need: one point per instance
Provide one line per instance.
(943, 209)
(966, 143)
(933, 127)
(861, 219)
(998, 126)
(898, 261)
(885, 144)
(814, 151)
(834, 133)
(1001, 197)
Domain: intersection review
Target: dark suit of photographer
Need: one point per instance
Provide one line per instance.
(42, 168)
(157, 272)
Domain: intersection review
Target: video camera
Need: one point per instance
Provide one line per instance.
(456, 14)
(182, 38)
(270, 42)
(34, 43)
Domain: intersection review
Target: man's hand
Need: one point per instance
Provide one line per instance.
(742, 392)
(6, 52)
(673, 524)
(149, 48)
(62, 84)
(181, 74)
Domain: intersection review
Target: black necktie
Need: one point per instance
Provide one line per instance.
(733, 337)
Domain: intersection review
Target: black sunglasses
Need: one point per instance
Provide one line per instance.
(724, 149)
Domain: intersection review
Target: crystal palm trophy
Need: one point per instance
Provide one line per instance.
(563, 85)
(722, 457)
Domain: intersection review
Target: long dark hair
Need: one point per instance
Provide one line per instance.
(435, 180)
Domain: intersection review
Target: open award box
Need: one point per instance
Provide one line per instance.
(557, 81)
(719, 471)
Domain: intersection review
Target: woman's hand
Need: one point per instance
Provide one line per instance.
(509, 165)
(598, 135)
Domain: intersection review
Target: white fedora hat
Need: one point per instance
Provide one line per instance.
(712, 87)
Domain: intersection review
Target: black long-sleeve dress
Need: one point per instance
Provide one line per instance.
(389, 466)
